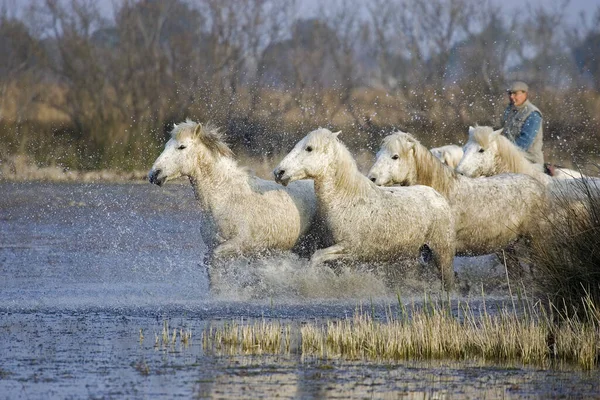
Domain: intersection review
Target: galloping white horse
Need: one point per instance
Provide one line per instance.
(489, 213)
(367, 223)
(489, 153)
(245, 215)
(449, 154)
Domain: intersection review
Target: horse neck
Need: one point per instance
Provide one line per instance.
(215, 182)
(433, 173)
(342, 182)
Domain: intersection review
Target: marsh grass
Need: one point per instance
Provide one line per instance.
(170, 337)
(260, 337)
(523, 333)
(566, 258)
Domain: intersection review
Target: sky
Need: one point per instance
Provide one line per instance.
(574, 9)
(576, 6)
(310, 7)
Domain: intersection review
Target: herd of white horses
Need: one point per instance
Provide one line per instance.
(414, 203)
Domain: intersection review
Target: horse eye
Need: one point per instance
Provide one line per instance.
(481, 150)
(308, 148)
(181, 147)
(395, 157)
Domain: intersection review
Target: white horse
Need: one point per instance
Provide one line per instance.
(489, 153)
(449, 154)
(367, 223)
(489, 213)
(557, 172)
(245, 215)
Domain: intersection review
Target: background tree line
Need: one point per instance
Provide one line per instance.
(86, 90)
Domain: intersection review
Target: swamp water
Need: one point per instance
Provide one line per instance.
(84, 268)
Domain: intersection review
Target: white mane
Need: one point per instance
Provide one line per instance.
(430, 171)
(489, 153)
(509, 157)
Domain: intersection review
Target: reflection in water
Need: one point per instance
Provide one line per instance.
(84, 267)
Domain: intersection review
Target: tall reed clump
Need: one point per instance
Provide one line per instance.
(566, 256)
(262, 337)
(527, 336)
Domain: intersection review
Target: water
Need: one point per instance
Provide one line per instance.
(85, 267)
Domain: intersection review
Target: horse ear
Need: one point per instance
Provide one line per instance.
(337, 133)
(198, 129)
(471, 130)
(497, 133)
(174, 125)
(447, 159)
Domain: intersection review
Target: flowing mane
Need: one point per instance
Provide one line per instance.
(428, 170)
(346, 175)
(509, 157)
(208, 134)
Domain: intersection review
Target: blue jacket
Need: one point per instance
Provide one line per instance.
(529, 130)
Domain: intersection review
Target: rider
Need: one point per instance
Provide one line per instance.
(522, 122)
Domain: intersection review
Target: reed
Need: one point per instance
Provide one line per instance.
(169, 337)
(566, 258)
(260, 337)
(525, 334)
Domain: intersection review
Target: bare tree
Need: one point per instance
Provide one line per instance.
(543, 36)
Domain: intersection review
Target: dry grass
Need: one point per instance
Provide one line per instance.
(529, 336)
(566, 258)
(21, 168)
(263, 136)
(170, 337)
(262, 337)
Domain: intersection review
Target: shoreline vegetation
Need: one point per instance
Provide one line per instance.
(527, 334)
(21, 168)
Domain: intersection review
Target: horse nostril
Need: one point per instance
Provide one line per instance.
(279, 173)
(152, 177)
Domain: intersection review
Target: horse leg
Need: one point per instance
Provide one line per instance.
(216, 263)
(443, 256)
(509, 258)
(327, 254)
(207, 261)
(227, 249)
(215, 271)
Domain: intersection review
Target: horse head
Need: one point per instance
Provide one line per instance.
(479, 157)
(396, 162)
(309, 158)
(191, 145)
(449, 154)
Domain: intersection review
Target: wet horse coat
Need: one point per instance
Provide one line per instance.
(489, 213)
(368, 223)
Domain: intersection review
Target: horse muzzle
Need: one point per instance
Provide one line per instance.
(155, 178)
(280, 177)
